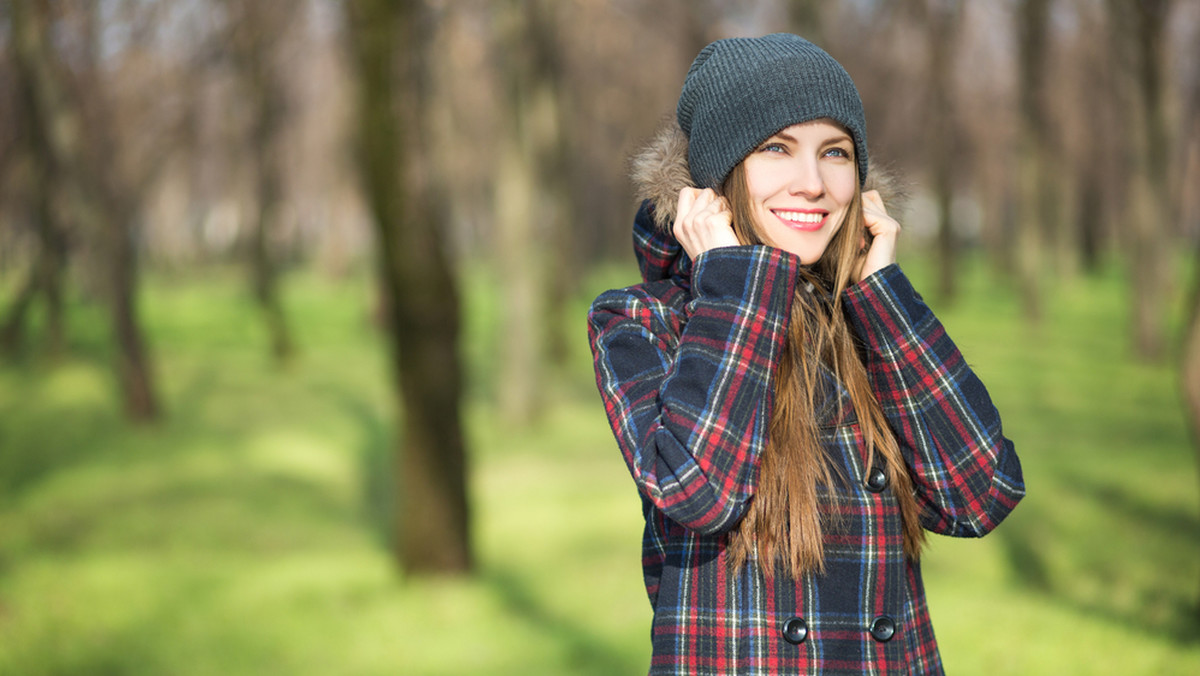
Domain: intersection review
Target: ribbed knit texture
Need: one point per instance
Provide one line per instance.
(741, 91)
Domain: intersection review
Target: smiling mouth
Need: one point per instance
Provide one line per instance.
(802, 220)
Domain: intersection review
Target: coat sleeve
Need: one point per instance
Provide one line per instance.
(688, 398)
(966, 473)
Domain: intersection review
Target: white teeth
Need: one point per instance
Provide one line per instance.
(800, 217)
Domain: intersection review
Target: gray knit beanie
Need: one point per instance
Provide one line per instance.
(741, 91)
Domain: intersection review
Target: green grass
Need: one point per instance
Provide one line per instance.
(248, 532)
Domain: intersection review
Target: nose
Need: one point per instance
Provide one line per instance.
(806, 179)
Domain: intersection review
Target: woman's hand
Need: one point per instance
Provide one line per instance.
(885, 232)
(703, 221)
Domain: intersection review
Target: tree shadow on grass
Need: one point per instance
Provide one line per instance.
(376, 469)
(1025, 560)
(47, 440)
(45, 428)
(1167, 603)
(1173, 521)
(43, 438)
(588, 654)
(252, 513)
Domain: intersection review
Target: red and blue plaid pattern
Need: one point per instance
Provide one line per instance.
(685, 366)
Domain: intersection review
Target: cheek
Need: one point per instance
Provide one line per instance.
(842, 189)
(763, 180)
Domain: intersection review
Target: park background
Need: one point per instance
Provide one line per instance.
(295, 376)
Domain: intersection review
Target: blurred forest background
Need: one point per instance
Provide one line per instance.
(293, 366)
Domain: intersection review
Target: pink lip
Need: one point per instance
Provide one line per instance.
(803, 226)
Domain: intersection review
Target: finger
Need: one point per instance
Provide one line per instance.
(705, 200)
(712, 207)
(685, 213)
(876, 218)
(723, 204)
(687, 198)
(882, 227)
(874, 199)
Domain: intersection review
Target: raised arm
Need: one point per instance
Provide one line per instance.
(688, 394)
(966, 473)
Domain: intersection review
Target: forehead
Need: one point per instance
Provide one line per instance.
(824, 128)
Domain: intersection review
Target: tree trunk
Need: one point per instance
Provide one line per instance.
(255, 33)
(133, 362)
(265, 273)
(12, 333)
(563, 268)
(53, 257)
(81, 156)
(942, 23)
(45, 278)
(804, 18)
(1089, 216)
(1032, 168)
(531, 204)
(519, 254)
(1190, 366)
(420, 290)
(1149, 214)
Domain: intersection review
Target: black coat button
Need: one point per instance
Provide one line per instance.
(795, 630)
(877, 480)
(883, 629)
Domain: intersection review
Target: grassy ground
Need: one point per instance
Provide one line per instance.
(247, 534)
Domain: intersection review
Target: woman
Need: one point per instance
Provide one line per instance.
(792, 413)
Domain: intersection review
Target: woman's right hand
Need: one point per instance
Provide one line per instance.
(703, 221)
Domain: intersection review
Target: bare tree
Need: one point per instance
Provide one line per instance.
(531, 201)
(389, 43)
(1139, 36)
(1093, 160)
(45, 276)
(256, 28)
(1033, 161)
(942, 19)
(81, 145)
(34, 175)
(555, 168)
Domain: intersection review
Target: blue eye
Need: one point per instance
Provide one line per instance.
(773, 148)
(838, 152)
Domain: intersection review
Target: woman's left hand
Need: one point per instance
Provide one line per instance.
(885, 232)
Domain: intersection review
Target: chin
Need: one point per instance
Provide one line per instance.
(806, 255)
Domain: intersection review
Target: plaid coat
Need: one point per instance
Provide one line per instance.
(685, 367)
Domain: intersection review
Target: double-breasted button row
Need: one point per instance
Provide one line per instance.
(795, 629)
(877, 480)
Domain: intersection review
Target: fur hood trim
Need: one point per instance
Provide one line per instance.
(660, 170)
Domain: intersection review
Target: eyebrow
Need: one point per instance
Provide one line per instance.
(839, 138)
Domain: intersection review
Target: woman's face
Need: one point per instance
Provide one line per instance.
(801, 181)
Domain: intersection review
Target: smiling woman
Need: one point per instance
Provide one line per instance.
(799, 185)
(793, 415)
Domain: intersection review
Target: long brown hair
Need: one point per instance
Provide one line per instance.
(787, 518)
